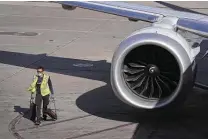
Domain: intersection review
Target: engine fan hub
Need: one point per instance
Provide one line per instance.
(153, 70)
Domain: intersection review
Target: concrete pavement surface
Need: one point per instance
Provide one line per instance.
(76, 48)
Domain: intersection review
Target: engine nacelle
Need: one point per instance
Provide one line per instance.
(152, 68)
(68, 7)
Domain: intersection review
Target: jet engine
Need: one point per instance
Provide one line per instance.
(68, 7)
(153, 68)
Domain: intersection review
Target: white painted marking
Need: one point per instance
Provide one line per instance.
(83, 65)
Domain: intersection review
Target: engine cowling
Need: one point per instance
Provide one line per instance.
(68, 7)
(152, 68)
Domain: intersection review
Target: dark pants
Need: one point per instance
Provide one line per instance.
(38, 102)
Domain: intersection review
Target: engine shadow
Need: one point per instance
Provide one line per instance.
(103, 103)
(190, 122)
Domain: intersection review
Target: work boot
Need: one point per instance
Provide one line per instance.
(37, 122)
(44, 117)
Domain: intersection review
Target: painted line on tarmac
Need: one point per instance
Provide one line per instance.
(13, 123)
(61, 121)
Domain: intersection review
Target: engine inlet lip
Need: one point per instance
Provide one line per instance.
(119, 86)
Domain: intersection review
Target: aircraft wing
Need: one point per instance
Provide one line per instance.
(194, 23)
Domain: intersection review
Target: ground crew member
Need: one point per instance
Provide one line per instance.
(42, 87)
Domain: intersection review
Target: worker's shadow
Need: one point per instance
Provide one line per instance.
(25, 112)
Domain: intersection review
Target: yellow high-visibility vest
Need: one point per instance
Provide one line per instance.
(44, 88)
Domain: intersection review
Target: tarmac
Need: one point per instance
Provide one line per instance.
(76, 48)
